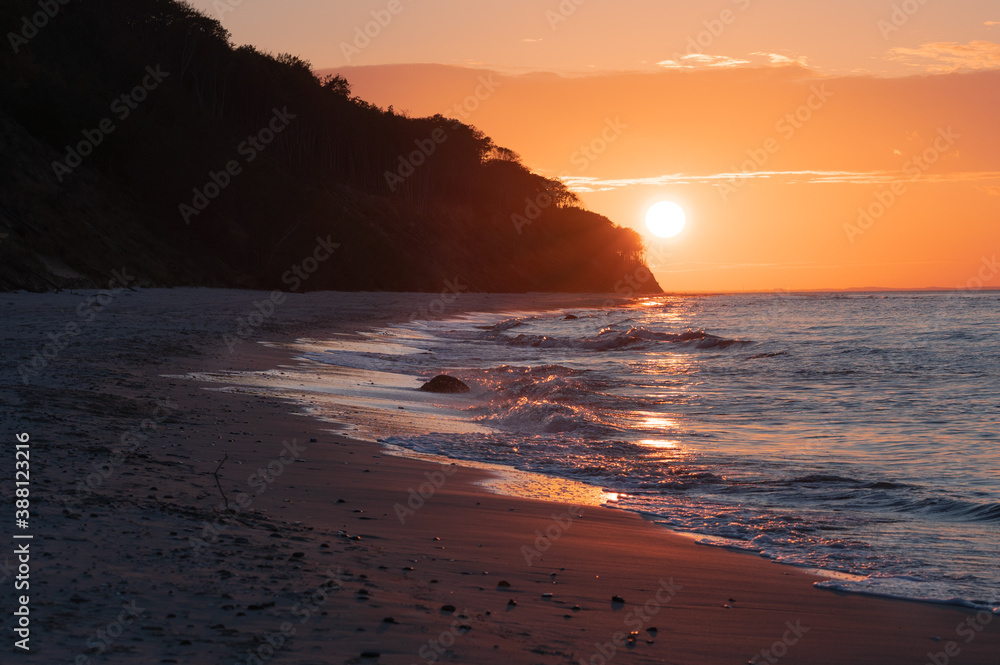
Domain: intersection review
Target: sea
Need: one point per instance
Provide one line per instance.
(854, 434)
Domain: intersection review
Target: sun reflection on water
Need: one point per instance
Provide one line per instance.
(656, 443)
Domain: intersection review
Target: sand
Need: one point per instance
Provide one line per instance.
(332, 556)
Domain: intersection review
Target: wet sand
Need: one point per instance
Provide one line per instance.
(328, 552)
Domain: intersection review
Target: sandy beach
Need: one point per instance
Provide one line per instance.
(331, 550)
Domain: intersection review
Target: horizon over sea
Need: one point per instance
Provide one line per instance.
(851, 432)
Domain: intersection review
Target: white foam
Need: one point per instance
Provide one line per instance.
(899, 588)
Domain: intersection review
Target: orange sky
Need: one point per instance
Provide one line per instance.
(774, 134)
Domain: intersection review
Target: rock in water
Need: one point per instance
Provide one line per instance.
(442, 383)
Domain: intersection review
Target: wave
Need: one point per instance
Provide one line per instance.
(902, 587)
(609, 340)
(818, 478)
(532, 417)
(773, 354)
(507, 324)
(651, 407)
(957, 509)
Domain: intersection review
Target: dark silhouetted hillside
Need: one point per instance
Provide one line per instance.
(134, 134)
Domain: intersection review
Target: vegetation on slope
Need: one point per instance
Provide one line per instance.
(134, 133)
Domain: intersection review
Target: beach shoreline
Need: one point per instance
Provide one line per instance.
(336, 549)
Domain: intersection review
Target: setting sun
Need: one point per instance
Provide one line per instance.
(665, 219)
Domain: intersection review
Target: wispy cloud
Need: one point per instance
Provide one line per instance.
(991, 23)
(531, 40)
(781, 59)
(757, 59)
(587, 184)
(695, 60)
(701, 266)
(939, 57)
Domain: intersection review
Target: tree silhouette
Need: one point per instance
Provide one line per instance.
(448, 212)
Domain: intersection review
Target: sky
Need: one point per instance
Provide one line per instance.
(813, 145)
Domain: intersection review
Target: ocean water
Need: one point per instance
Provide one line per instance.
(853, 433)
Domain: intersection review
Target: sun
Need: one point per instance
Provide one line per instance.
(665, 219)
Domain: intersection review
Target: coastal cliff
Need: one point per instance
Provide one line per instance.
(137, 136)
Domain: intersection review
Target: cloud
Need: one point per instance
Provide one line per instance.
(780, 59)
(700, 266)
(991, 23)
(584, 184)
(695, 60)
(940, 57)
(758, 59)
(530, 40)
